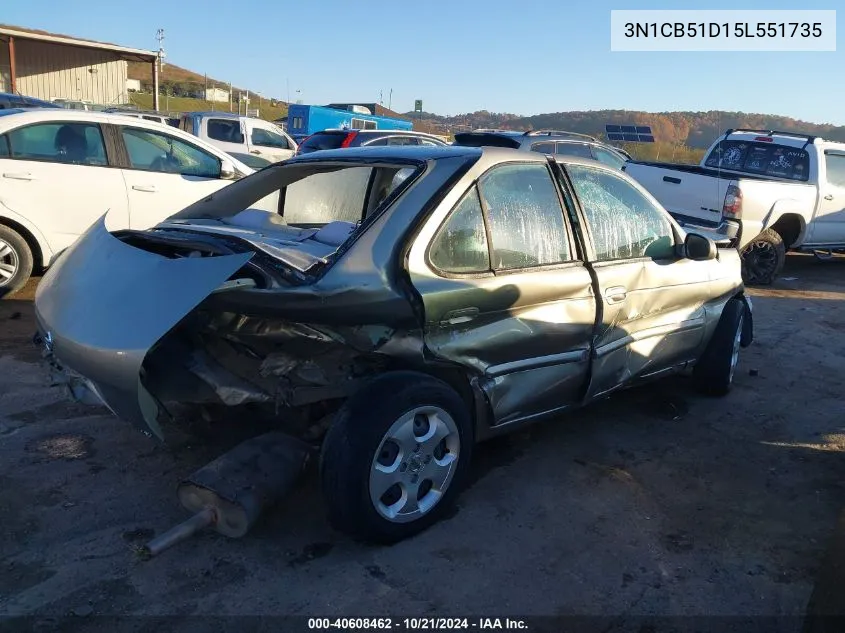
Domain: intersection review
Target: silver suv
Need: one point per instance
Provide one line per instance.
(547, 142)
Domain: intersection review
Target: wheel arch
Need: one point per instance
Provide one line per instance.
(464, 384)
(748, 321)
(29, 237)
(791, 226)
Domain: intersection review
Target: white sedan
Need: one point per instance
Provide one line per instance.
(61, 170)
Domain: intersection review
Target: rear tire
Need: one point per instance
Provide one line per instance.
(382, 489)
(16, 261)
(763, 258)
(714, 371)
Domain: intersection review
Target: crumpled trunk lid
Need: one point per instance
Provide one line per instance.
(104, 304)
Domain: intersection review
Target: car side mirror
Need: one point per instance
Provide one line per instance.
(227, 170)
(699, 248)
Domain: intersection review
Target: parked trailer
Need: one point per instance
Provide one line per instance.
(304, 120)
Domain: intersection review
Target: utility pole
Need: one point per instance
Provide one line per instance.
(390, 100)
(157, 75)
(230, 96)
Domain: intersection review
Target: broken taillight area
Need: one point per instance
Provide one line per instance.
(224, 365)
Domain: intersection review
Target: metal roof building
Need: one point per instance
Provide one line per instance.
(47, 66)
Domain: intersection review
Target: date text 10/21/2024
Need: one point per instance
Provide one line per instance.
(416, 624)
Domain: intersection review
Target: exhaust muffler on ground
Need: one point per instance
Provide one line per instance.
(230, 493)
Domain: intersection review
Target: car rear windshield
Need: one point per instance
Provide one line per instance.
(761, 158)
(322, 140)
(344, 195)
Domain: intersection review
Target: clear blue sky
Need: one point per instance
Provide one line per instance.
(526, 57)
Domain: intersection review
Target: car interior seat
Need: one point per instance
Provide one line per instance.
(71, 144)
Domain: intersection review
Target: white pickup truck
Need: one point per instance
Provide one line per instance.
(764, 191)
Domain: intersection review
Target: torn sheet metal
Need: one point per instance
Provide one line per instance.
(107, 303)
(231, 389)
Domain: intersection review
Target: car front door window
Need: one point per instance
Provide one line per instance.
(268, 138)
(153, 151)
(623, 222)
(608, 158)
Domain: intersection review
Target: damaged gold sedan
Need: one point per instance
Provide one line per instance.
(394, 306)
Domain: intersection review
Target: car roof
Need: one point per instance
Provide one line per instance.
(339, 130)
(568, 159)
(386, 153)
(218, 114)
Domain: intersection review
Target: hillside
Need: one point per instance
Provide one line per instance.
(693, 129)
(144, 100)
(180, 82)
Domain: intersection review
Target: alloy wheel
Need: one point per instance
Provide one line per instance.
(414, 464)
(9, 263)
(735, 350)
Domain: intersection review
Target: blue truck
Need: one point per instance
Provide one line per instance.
(304, 120)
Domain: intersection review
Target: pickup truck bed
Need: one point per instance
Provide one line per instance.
(698, 169)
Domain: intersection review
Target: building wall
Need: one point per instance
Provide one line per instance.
(47, 71)
(5, 79)
(216, 94)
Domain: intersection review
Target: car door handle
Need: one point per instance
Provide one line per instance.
(146, 188)
(255, 151)
(20, 175)
(456, 317)
(616, 294)
(829, 197)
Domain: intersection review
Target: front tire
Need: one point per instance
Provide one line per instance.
(16, 261)
(763, 258)
(395, 457)
(714, 372)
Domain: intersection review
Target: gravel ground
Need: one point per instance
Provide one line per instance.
(656, 502)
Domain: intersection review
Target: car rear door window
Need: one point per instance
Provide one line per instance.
(460, 246)
(543, 148)
(624, 224)
(4, 147)
(573, 149)
(525, 216)
(154, 151)
(73, 143)
(225, 130)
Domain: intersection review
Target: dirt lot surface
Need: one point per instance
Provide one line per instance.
(655, 502)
